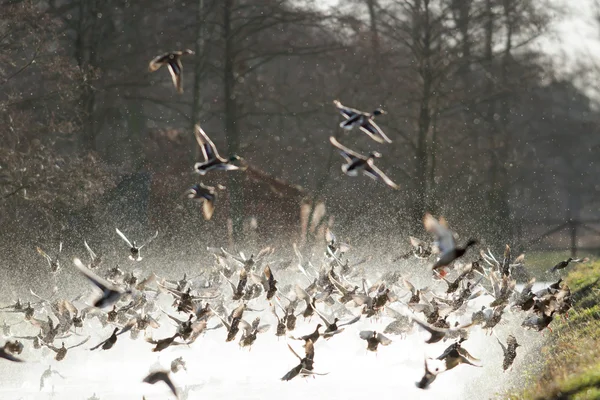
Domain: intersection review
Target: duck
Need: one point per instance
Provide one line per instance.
(539, 323)
(173, 61)
(509, 351)
(161, 376)
(427, 378)
(7, 355)
(251, 331)
(61, 352)
(233, 327)
(161, 344)
(446, 243)
(133, 247)
(177, 365)
(306, 365)
(356, 163)
(374, 339)
(205, 195)
(363, 120)
(95, 260)
(47, 374)
(564, 264)
(110, 293)
(53, 262)
(312, 337)
(455, 355)
(267, 281)
(334, 327)
(212, 160)
(108, 343)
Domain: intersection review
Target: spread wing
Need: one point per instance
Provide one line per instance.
(124, 237)
(208, 208)
(348, 154)
(44, 254)
(347, 112)
(374, 132)
(157, 62)
(175, 68)
(443, 235)
(150, 240)
(373, 172)
(79, 344)
(92, 254)
(383, 340)
(101, 283)
(208, 147)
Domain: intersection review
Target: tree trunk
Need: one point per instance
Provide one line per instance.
(236, 200)
(371, 4)
(422, 28)
(504, 186)
(198, 74)
(84, 53)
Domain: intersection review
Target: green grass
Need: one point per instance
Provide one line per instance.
(572, 368)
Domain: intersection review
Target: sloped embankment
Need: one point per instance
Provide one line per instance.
(572, 355)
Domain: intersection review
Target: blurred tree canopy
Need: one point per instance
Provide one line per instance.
(483, 132)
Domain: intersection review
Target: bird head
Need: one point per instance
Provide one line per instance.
(115, 331)
(374, 154)
(569, 259)
(235, 157)
(378, 111)
(187, 51)
(319, 326)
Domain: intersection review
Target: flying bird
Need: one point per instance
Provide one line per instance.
(374, 339)
(212, 159)
(356, 163)
(133, 247)
(564, 264)
(205, 195)
(163, 376)
(363, 120)
(445, 242)
(110, 293)
(53, 262)
(173, 61)
(509, 351)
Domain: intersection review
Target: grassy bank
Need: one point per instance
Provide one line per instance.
(572, 355)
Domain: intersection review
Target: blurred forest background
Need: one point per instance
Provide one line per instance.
(485, 132)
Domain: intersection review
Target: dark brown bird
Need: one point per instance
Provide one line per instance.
(427, 378)
(162, 344)
(7, 356)
(510, 351)
(163, 376)
(61, 352)
(313, 337)
(108, 343)
(455, 355)
(438, 334)
(306, 365)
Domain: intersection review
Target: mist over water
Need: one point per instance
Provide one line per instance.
(216, 369)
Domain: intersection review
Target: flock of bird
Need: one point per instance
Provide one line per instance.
(236, 291)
